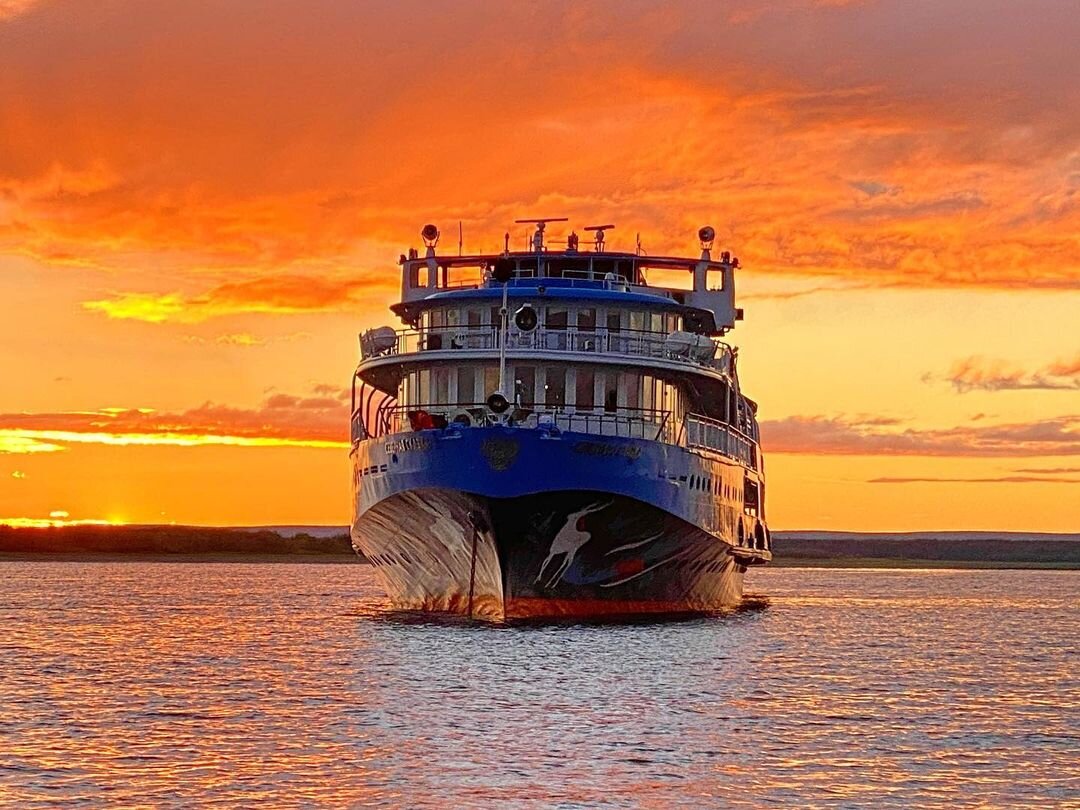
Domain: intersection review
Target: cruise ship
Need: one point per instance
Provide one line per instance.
(554, 433)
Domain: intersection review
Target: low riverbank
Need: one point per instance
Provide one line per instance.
(321, 544)
(354, 559)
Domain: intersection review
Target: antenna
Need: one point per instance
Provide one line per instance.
(598, 241)
(538, 237)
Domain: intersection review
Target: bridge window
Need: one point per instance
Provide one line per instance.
(614, 321)
(586, 320)
(557, 317)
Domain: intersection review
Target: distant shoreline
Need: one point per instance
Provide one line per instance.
(901, 562)
(329, 545)
(354, 559)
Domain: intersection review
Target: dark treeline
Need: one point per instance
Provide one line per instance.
(1040, 549)
(165, 540)
(787, 546)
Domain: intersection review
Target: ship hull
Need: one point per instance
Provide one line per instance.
(551, 555)
(506, 524)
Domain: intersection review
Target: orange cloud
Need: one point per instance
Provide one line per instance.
(862, 437)
(1050, 470)
(281, 295)
(979, 374)
(823, 139)
(284, 420)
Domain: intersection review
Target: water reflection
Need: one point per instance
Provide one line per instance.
(170, 684)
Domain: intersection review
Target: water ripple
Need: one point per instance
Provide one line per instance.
(146, 684)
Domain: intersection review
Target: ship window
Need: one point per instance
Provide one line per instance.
(637, 321)
(438, 318)
(424, 386)
(611, 392)
(440, 386)
(555, 386)
(474, 318)
(586, 320)
(614, 321)
(491, 381)
(525, 385)
(631, 385)
(584, 396)
(656, 322)
(557, 318)
(465, 385)
(750, 497)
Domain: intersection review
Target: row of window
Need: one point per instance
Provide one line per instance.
(558, 316)
(552, 385)
(418, 274)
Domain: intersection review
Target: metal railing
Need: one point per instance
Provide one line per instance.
(634, 423)
(712, 434)
(626, 342)
(695, 431)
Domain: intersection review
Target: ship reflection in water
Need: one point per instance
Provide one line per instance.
(282, 685)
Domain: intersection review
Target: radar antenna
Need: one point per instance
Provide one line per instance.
(541, 224)
(598, 240)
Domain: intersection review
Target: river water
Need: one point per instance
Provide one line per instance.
(281, 685)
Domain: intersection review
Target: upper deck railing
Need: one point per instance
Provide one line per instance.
(634, 423)
(680, 347)
(693, 431)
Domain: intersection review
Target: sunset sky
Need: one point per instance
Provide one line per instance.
(202, 204)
